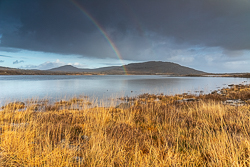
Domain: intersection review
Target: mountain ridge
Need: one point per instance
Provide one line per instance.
(150, 67)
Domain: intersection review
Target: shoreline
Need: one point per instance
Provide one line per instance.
(223, 94)
(22, 92)
(240, 75)
(9, 71)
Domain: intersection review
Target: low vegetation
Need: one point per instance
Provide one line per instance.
(37, 72)
(149, 130)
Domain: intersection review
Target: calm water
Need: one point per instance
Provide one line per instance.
(56, 87)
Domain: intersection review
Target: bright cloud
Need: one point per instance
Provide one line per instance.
(49, 65)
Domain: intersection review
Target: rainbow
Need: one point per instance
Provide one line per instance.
(101, 29)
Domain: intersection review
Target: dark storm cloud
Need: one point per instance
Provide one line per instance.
(134, 25)
(17, 62)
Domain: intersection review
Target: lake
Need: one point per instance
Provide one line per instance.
(21, 87)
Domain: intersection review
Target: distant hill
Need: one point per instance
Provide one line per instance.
(67, 68)
(6, 68)
(15, 71)
(158, 67)
(146, 68)
(70, 68)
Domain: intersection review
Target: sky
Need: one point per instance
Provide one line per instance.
(207, 35)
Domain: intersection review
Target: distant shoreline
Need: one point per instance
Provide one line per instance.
(39, 72)
(144, 68)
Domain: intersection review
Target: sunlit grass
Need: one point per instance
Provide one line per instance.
(153, 130)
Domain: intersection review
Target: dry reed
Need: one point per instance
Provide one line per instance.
(153, 130)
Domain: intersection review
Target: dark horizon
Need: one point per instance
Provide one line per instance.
(208, 35)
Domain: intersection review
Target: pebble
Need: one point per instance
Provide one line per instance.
(237, 102)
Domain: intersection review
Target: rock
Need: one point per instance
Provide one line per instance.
(127, 99)
(214, 92)
(186, 100)
(190, 99)
(179, 101)
(237, 86)
(229, 101)
(84, 137)
(237, 102)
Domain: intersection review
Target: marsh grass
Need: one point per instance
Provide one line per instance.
(154, 130)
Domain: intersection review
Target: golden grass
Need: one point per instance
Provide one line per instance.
(153, 131)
